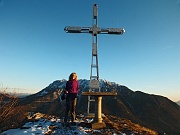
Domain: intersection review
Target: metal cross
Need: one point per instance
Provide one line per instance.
(94, 30)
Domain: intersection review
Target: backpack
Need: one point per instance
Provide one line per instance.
(62, 96)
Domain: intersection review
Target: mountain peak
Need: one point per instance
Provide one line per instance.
(82, 82)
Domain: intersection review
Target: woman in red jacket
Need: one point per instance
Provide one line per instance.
(72, 87)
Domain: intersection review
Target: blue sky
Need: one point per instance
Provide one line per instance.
(35, 50)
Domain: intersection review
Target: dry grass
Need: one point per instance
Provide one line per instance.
(124, 125)
(11, 115)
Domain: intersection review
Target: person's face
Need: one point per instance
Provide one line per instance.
(74, 76)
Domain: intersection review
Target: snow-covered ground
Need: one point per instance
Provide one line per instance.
(52, 125)
(44, 126)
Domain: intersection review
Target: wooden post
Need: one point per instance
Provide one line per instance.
(98, 121)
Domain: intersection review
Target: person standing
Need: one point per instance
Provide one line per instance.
(72, 87)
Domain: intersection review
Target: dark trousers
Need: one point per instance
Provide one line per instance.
(70, 106)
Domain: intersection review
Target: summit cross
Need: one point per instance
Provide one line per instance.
(94, 30)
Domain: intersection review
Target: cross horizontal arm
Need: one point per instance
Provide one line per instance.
(117, 31)
(73, 29)
(94, 30)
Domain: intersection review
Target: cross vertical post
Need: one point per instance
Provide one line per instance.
(94, 77)
(94, 31)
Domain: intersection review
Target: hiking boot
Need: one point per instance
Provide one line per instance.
(73, 123)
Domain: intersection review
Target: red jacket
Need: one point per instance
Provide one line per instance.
(72, 86)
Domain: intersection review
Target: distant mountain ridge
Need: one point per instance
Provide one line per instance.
(178, 102)
(156, 112)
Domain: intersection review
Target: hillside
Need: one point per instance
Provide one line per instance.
(152, 111)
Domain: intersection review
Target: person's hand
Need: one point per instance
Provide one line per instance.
(66, 92)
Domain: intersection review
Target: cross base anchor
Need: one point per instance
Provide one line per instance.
(98, 125)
